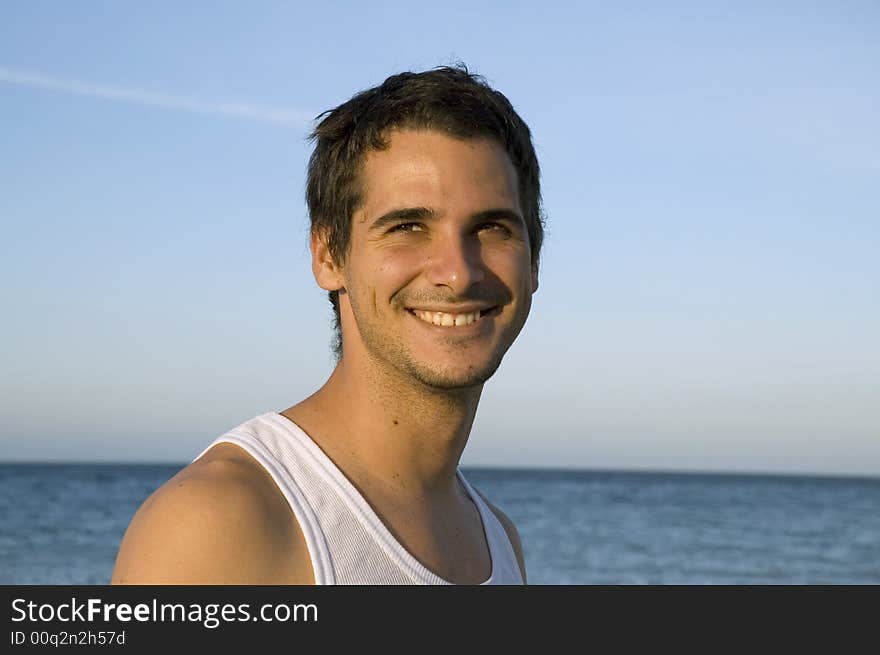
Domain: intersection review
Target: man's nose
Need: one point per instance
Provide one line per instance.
(455, 261)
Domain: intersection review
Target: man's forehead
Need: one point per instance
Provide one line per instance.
(421, 163)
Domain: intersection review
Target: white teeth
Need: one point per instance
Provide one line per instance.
(447, 320)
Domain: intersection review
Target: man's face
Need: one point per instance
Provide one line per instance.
(439, 238)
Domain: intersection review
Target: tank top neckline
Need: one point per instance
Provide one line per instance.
(367, 515)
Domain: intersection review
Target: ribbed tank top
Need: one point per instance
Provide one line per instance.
(348, 543)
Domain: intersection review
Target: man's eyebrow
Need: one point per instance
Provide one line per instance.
(404, 214)
(499, 215)
(423, 213)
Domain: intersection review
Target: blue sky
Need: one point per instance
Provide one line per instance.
(709, 289)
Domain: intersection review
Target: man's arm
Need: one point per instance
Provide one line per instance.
(219, 521)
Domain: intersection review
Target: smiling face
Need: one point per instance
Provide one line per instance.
(438, 278)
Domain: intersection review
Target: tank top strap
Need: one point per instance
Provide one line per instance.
(347, 542)
(505, 569)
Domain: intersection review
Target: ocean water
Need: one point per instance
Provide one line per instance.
(62, 524)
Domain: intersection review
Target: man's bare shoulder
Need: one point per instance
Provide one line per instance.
(221, 520)
(512, 534)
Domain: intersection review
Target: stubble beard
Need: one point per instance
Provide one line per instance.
(391, 352)
(432, 376)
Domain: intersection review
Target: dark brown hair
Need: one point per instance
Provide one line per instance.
(448, 99)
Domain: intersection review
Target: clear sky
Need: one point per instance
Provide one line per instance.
(711, 176)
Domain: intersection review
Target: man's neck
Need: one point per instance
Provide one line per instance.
(395, 436)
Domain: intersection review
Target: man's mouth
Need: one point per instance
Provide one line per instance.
(445, 319)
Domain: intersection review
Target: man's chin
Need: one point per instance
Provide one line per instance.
(451, 378)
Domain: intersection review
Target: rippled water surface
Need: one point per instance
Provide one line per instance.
(61, 524)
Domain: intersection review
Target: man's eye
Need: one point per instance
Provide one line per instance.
(493, 227)
(406, 227)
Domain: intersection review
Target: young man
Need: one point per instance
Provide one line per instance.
(426, 227)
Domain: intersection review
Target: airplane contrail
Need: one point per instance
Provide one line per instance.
(150, 99)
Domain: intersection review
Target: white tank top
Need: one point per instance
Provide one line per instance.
(347, 542)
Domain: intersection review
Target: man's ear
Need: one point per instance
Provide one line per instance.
(534, 278)
(327, 272)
